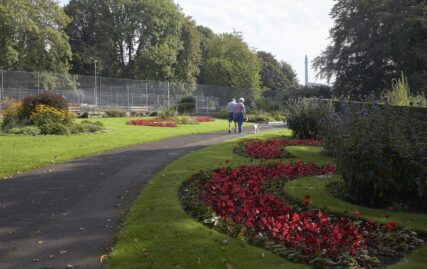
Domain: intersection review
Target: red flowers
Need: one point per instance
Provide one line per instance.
(203, 119)
(155, 122)
(390, 226)
(356, 214)
(272, 148)
(169, 122)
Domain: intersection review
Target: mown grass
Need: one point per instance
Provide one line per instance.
(23, 153)
(158, 233)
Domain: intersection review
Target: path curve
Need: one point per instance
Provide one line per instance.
(67, 214)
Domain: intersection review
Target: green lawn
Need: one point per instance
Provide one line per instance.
(158, 233)
(23, 153)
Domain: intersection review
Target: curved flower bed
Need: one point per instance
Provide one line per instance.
(271, 148)
(203, 119)
(248, 201)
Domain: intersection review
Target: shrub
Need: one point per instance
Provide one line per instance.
(48, 98)
(187, 105)
(92, 126)
(303, 116)
(26, 130)
(44, 114)
(167, 112)
(115, 113)
(84, 115)
(54, 128)
(381, 154)
(13, 116)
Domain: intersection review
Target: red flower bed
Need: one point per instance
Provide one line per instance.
(248, 200)
(272, 148)
(154, 122)
(203, 119)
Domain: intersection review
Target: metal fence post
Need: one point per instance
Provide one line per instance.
(38, 83)
(146, 94)
(168, 95)
(2, 90)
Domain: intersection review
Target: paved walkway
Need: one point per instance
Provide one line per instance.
(66, 215)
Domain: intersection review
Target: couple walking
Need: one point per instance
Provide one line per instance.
(236, 113)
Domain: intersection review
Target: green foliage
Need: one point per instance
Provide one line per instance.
(372, 42)
(381, 153)
(12, 116)
(54, 128)
(87, 126)
(115, 113)
(399, 94)
(32, 36)
(187, 105)
(230, 62)
(304, 115)
(47, 98)
(167, 112)
(25, 130)
(321, 91)
(278, 78)
(189, 58)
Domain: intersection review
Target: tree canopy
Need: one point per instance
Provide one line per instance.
(32, 36)
(277, 78)
(372, 43)
(230, 62)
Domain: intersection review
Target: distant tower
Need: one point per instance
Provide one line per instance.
(306, 70)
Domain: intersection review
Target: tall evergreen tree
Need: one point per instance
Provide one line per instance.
(372, 43)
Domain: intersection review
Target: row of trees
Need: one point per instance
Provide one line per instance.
(373, 42)
(136, 39)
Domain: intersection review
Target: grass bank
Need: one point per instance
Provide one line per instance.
(159, 234)
(22, 153)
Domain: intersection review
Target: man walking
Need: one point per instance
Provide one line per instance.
(230, 111)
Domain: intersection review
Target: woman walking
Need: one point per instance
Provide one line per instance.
(240, 113)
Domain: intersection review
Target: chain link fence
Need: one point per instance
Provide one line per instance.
(90, 93)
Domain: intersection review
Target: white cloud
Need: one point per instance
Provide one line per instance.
(289, 29)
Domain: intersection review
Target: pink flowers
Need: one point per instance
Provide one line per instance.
(203, 119)
(272, 148)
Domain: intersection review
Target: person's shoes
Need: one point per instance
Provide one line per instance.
(229, 131)
(235, 131)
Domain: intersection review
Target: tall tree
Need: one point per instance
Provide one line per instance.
(88, 38)
(189, 58)
(230, 62)
(130, 38)
(32, 36)
(372, 43)
(206, 34)
(278, 78)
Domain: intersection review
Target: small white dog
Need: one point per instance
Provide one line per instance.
(256, 128)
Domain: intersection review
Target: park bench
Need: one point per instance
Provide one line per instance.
(138, 110)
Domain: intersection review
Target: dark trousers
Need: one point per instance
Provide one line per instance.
(239, 118)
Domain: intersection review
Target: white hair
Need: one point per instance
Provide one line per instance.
(241, 99)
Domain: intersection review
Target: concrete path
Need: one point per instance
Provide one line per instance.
(66, 215)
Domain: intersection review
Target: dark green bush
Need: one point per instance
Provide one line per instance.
(48, 98)
(303, 116)
(187, 105)
(381, 153)
(92, 126)
(115, 113)
(54, 128)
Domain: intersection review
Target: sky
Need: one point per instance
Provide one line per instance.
(289, 29)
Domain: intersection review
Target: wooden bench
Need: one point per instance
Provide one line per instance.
(74, 109)
(135, 110)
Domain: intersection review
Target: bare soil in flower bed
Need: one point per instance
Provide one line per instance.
(248, 202)
(271, 148)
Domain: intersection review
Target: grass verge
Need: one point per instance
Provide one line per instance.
(158, 233)
(23, 153)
